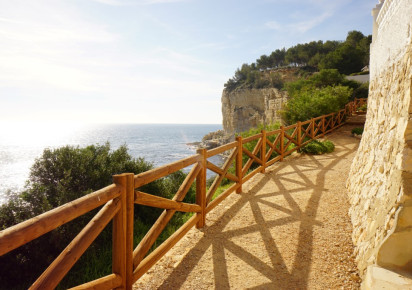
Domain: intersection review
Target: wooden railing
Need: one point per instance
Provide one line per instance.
(118, 201)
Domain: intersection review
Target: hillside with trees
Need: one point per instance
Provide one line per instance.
(348, 57)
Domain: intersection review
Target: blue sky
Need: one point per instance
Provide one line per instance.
(147, 61)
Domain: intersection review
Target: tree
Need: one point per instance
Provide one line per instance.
(354, 38)
(263, 62)
(62, 175)
(345, 58)
(277, 57)
(292, 56)
(326, 77)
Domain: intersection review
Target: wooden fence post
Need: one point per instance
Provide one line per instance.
(323, 126)
(119, 232)
(201, 189)
(312, 128)
(299, 133)
(263, 151)
(282, 145)
(239, 163)
(129, 229)
(122, 256)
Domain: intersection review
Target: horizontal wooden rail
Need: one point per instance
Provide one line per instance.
(154, 174)
(20, 234)
(274, 160)
(306, 122)
(274, 132)
(164, 203)
(220, 149)
(290, 127)
(251, 174)
(111, 281)
(251, 138)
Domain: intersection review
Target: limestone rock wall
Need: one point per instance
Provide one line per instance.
(380, 180)
(246, 108)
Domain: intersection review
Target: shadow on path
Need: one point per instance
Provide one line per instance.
(288, 182)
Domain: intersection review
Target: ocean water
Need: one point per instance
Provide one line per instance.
(21, 144)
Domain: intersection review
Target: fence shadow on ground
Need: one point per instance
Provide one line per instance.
(288, 180)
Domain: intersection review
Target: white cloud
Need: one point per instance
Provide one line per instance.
(300, 26)
(307, 25)
(137, 2)
(273, 25)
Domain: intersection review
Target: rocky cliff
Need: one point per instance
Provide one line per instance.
(246, 108)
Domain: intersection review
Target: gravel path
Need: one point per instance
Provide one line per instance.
(289, 229)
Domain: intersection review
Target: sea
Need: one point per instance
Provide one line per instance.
(22, 143)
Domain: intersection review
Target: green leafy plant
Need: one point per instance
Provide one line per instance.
(362, 108)
(312, 102)
(317, 147)
(357, 131)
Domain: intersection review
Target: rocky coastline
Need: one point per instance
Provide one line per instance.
(213, 140)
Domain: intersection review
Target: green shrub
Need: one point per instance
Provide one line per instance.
(326, 77)
(362, 91)
(317, 147)
(362, 108)
(60, 176)
(330, 147)
(357, 131)
(313, 102)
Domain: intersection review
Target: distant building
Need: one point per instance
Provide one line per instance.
(365, 68)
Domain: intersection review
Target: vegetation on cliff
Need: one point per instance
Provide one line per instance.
(348, 56)
(62, 175)
(312, 102)
(322, 93)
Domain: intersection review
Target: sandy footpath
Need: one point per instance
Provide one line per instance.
(289, 229)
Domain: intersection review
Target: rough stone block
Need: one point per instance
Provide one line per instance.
(377, 278)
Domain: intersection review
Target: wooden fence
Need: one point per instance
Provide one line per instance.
(118, 199)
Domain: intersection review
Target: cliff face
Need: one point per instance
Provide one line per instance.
(246, 108)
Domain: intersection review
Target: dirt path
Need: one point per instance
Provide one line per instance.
(289, 229)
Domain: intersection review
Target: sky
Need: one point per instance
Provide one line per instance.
(148, 61)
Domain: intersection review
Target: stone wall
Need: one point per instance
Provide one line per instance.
(380, 181)
(246, 108)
